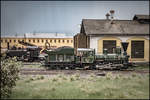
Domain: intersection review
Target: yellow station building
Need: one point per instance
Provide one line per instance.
(39, 39)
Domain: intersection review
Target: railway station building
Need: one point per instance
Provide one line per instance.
(39, 39)
(109, 33)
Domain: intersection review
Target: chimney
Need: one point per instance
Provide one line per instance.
(107, 16)
(25, 37)
(56, 34)
(112, 15)
(8, 45)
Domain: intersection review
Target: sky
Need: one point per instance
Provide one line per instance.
(19, 17)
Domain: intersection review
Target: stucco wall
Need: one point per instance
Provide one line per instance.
(97, 44)
(40, 43)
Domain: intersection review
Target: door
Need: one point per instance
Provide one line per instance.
(109, 45)
(137, 49)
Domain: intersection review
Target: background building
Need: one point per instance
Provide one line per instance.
(39, 39)
(109, 33)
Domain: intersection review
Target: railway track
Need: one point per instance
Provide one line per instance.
(31, 63)
(82, 72)
(26, 70)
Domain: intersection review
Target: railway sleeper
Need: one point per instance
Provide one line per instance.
(61, 65)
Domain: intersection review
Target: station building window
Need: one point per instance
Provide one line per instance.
(109, 45)
(63, 41)
(14, 40)
(59, 41)
(67, 41)
(137, 49)
(33, 41)
(71, 41)
(5, 40)
(51, 41)
(46, 40)
(55, 41)
(29, 40)
(1, 41)
(38, 41)
(10, 41)
(42, 40)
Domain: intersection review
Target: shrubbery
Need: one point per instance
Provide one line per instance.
(9, 74)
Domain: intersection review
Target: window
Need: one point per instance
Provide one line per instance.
(38, 41)
(55, 41)
(29, 40)
(46, 40)
(63, 41)
(137, 49)
(14, 40)
(42, 41)
(5, 40)
(71, 41)
(33, 41)
(1, 41)
(109, 45)
(67, 41)
(51, 41)
(59, 41)
(10, 41)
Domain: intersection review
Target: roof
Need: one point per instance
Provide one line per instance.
(63, 47)
(32, 47)
(11, 36)
(121, 27)
(47, 35)
(141, 17)
(40, 35)
(61, 50)
(85, 49)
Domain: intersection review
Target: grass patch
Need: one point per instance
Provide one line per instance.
(135, 86)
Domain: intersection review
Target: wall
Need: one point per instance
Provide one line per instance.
(97, 44)
(67, 42)
(80, 41)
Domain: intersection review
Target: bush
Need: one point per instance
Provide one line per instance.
(9, 74)
(72, 78)
(109, 75)
(55, 79)
(40, 77)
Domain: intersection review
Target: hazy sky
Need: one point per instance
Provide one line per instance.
(61, 16)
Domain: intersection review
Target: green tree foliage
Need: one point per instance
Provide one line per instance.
(9, 74)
